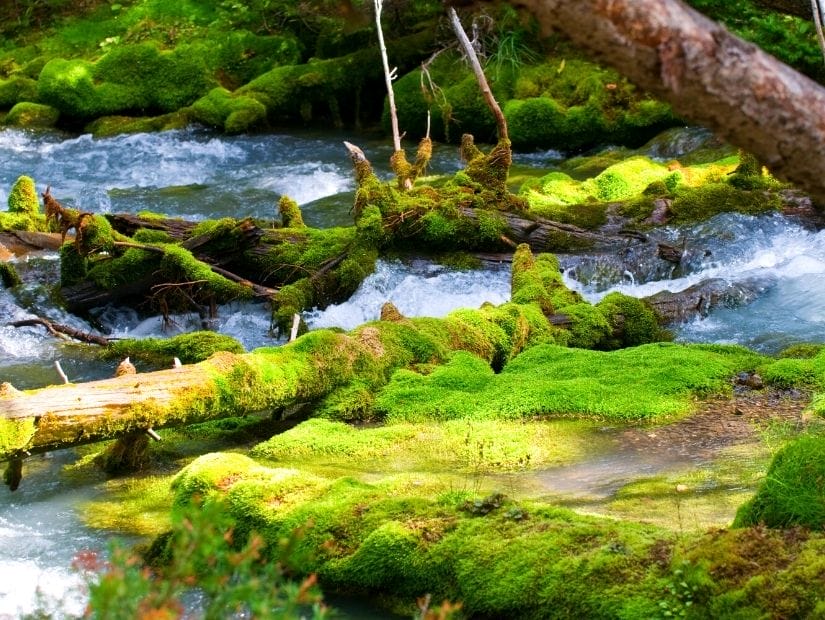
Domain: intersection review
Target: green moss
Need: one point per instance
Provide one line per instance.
(73, 266)
(23, 197)
(131, 266)
(113, 125)
(589, 328)
(139, 506)
(188, 348)
(632, 321)
(461, 446)
(804, 350)
(699, 203)
(537, 121)
(290, 213)
(350, 403)
(21, 221)
(148, 235)
(33, 115)
(95, 235)
(15, 90)
(178, 265)
(794, 489)
(129, 78)
(645, 382)
(8, 275)
(788, 373)
(387, 538)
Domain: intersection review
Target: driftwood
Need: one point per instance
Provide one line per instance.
(700, 298)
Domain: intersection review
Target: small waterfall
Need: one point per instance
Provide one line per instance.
(416, 289)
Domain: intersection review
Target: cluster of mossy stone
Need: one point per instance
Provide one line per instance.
(246, 81)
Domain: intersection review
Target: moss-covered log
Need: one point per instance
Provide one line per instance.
(315, 365)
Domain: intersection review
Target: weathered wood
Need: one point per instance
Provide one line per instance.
(22, 242)
(710, 76)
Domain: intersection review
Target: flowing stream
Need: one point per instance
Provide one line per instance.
(196, 174)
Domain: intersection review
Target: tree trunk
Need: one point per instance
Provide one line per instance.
(709, 76)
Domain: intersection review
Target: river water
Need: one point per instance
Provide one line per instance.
(196, 175)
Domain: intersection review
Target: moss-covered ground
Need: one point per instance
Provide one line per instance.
(475, 509)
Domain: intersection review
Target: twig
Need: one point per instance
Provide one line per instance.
(819, 17)
(388, 77)
(60, 331)
(61, 373)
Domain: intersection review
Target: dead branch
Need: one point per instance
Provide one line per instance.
(470, 51)
(59, 331)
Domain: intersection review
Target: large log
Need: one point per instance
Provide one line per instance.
(266, 380)
(709, 76)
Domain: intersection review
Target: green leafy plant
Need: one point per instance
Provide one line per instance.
(202, 553)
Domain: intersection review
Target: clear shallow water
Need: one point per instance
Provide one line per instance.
(40, 534)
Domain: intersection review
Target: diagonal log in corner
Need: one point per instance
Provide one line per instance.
(708, 75)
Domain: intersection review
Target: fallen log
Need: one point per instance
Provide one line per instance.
(701, 298)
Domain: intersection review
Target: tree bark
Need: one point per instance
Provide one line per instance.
(709, 76)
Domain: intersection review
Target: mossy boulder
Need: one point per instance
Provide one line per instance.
(113, 125)
(17, 89)
(131, 78)
(230, 113)
(35, 115)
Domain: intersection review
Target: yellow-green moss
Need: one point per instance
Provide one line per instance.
(15, 435)
(35, 115)
(188, 348)
(645, 382)
(290, 213)
(23, 197)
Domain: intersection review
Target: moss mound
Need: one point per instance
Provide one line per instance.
(34, 115)
(132, 78)
(23, 198)
(652, 381)
(794, 489)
